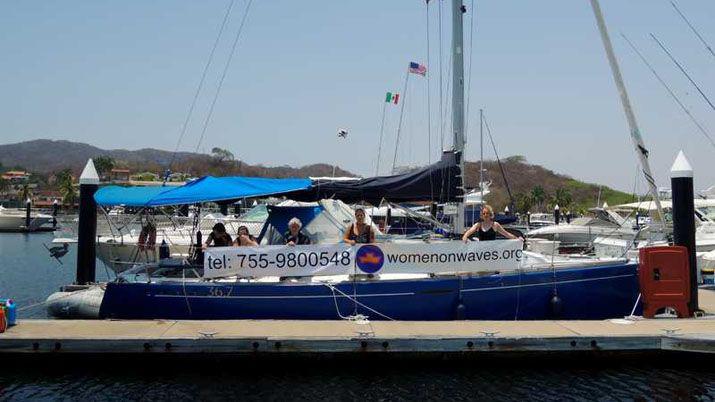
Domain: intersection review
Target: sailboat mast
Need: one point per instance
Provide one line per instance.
(458, 98)
(638, 144)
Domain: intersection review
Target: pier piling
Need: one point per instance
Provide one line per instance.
(28, 208)
(681, 182)
(557, 215)
(55, 211)
(87, 230)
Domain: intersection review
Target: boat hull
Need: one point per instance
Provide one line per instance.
(596, 292)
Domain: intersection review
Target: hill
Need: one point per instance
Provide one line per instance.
(534, 187)
(49, 156)
(537, 188)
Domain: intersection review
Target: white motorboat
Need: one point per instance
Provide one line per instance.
(604, 223)
(15, 220)
(539, 220)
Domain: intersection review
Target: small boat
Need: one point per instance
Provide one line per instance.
(15, 220)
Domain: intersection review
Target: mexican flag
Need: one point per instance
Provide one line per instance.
(392, 98)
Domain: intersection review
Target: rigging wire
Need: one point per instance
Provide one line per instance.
(224, 73)
(695, 31)
(441, 81)
(501, 167)
(399, 124)
(469, 67)
(683, 71)
(670, 91)
(446, 120)
(200, 86)
(379, 144)
(429, 104)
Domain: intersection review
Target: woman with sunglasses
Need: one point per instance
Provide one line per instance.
(359, 232)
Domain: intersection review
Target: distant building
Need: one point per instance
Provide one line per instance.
(45, 198)
(119, 175)
(16, 176)
(145, 176)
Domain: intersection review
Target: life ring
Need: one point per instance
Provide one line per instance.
(147, 238)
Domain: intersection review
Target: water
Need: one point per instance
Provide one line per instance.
(29, 275)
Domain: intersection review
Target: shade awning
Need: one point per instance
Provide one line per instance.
(205, 189)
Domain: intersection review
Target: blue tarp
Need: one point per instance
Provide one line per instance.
(279, 216)
(205, 189)
(128, 196)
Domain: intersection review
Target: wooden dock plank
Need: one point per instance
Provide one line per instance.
(285, 336)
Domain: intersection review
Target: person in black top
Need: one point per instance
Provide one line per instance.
(359, 232)
(487, 229)
(294, 235)
(218, 237)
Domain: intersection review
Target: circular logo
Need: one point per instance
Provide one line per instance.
(369, 258)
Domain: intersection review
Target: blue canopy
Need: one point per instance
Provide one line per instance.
(205, 189)
(129, 196)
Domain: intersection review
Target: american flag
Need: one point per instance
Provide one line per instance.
(416, 68)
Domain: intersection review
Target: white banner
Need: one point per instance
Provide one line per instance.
(342, 259)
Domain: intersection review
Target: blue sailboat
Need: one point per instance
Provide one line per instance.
(177, 289)
(580, 289)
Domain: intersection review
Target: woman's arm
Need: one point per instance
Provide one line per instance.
(346, 235)
(209, 240)
(248, 241)
(470, 232)
(372, 235)
(503, 231)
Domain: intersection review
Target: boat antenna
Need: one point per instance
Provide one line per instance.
(682, 70)
(198, 90)
(458, 10)
(695, 31)
(670, 91)
(635, 133)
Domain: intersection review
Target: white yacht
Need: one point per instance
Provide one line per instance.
(580, 231)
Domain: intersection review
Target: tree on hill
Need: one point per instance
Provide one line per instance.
(4, 185)
(65, 186)
(104, 164)
(222, 155)
(24, 193)
(523, 202)
(538, 195)
(562, 197)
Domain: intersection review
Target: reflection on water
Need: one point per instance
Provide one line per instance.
(349, 380)
(28, 274)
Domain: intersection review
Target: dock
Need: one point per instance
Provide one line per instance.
(353, 337)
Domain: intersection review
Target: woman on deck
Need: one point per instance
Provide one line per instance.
(218, 237)
(487, 229)
(359, 232)
(244, 238)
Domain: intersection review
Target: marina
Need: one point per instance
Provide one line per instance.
(152, 263)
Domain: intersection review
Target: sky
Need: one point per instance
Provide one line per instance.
(123, 75)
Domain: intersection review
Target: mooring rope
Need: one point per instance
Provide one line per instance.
(354, 317)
